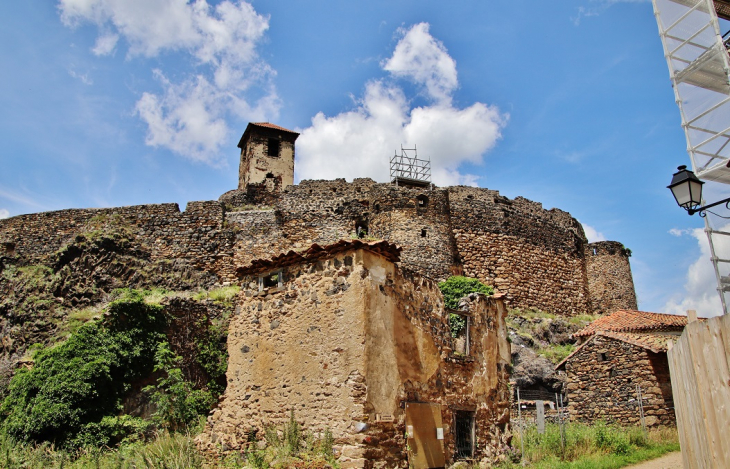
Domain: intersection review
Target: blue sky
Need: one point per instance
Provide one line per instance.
(123, 102)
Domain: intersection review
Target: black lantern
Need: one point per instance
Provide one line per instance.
(687, 191)
(686, 188)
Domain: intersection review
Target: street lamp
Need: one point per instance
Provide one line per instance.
(687, 191)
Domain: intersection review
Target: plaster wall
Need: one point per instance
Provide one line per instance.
(256, 163)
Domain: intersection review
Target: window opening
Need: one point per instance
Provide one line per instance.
(423, 233)
(269, 175)
(361, 229)
(594, 251)
(422, 200)
(271, 280)
(459, 328)
(273, 149)
(603, 356)
(464, 434)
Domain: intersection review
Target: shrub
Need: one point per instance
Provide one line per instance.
(457, 287)
(178, 403)
(73, 386)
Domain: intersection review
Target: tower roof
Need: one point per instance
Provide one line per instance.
(263, 125)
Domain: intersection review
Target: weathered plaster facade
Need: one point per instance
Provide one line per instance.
(345, 343)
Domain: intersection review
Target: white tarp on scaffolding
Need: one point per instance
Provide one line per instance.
(699, 69)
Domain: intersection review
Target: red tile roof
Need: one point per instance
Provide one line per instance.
(634, 321)
(389, 251)
(653, 341)
(269, 125)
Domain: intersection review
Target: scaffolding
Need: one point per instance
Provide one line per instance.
(408, 170)
(699, 68)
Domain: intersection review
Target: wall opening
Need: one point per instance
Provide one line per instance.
(269, 175)
(271, 280)
(463, 434)
(603, 356)
(422, 200)
(361, 229)
(423, 233)
(273, 148)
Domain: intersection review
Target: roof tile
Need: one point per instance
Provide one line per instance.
(634, 321)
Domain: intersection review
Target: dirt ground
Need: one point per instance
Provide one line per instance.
(668, 461)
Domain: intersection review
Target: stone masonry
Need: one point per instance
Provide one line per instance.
(345, 342)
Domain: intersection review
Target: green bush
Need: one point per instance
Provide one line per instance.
(457, 287)
(178, 403)
(72, 387)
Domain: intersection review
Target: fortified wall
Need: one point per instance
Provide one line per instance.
(539, 259)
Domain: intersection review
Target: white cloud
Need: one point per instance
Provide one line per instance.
(700, 286)
(359, 143)
(222, 40)
(592, 234)
(424, 59)
(84, 77)
(4, 213)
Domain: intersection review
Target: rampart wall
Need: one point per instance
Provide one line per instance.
(160, 230)
(538, 258)
(611, 285)
(532, 255)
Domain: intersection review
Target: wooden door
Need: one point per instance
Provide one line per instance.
(425, 435)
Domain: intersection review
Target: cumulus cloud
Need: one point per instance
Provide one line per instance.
(700, 285)
(359, 142)
(189, 116)
(4, 213)
(593, 234)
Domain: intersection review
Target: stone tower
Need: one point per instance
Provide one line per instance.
(267, 156)
(610, 283)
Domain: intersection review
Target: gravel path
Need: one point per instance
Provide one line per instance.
(668, 461)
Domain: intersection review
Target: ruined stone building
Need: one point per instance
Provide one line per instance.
(355, 344)
(352, 335)
(537, 258)
(617, 353)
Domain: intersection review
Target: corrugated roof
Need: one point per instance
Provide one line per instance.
(383, 248)
(634, 321)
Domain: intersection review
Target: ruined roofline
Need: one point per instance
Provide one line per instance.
(389, 251)
(634, 321)
(265, 126)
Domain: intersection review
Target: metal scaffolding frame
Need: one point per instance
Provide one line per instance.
(408, 170)
(699, 67)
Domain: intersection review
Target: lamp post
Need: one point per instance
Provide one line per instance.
(687, 191)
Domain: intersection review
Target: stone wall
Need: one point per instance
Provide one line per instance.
(610, 283)
(538, 258)
(162, 231)
(534, 256)
(352, 338)
(602, 379)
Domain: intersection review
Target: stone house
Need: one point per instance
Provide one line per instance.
(351, 342)
(619, 355)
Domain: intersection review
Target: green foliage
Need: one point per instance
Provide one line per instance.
(456, 324)
(556, 352)
(72, 387)
(457, 287)
(178, 403)
(213, 357)
(592, 446)
(221, 295)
